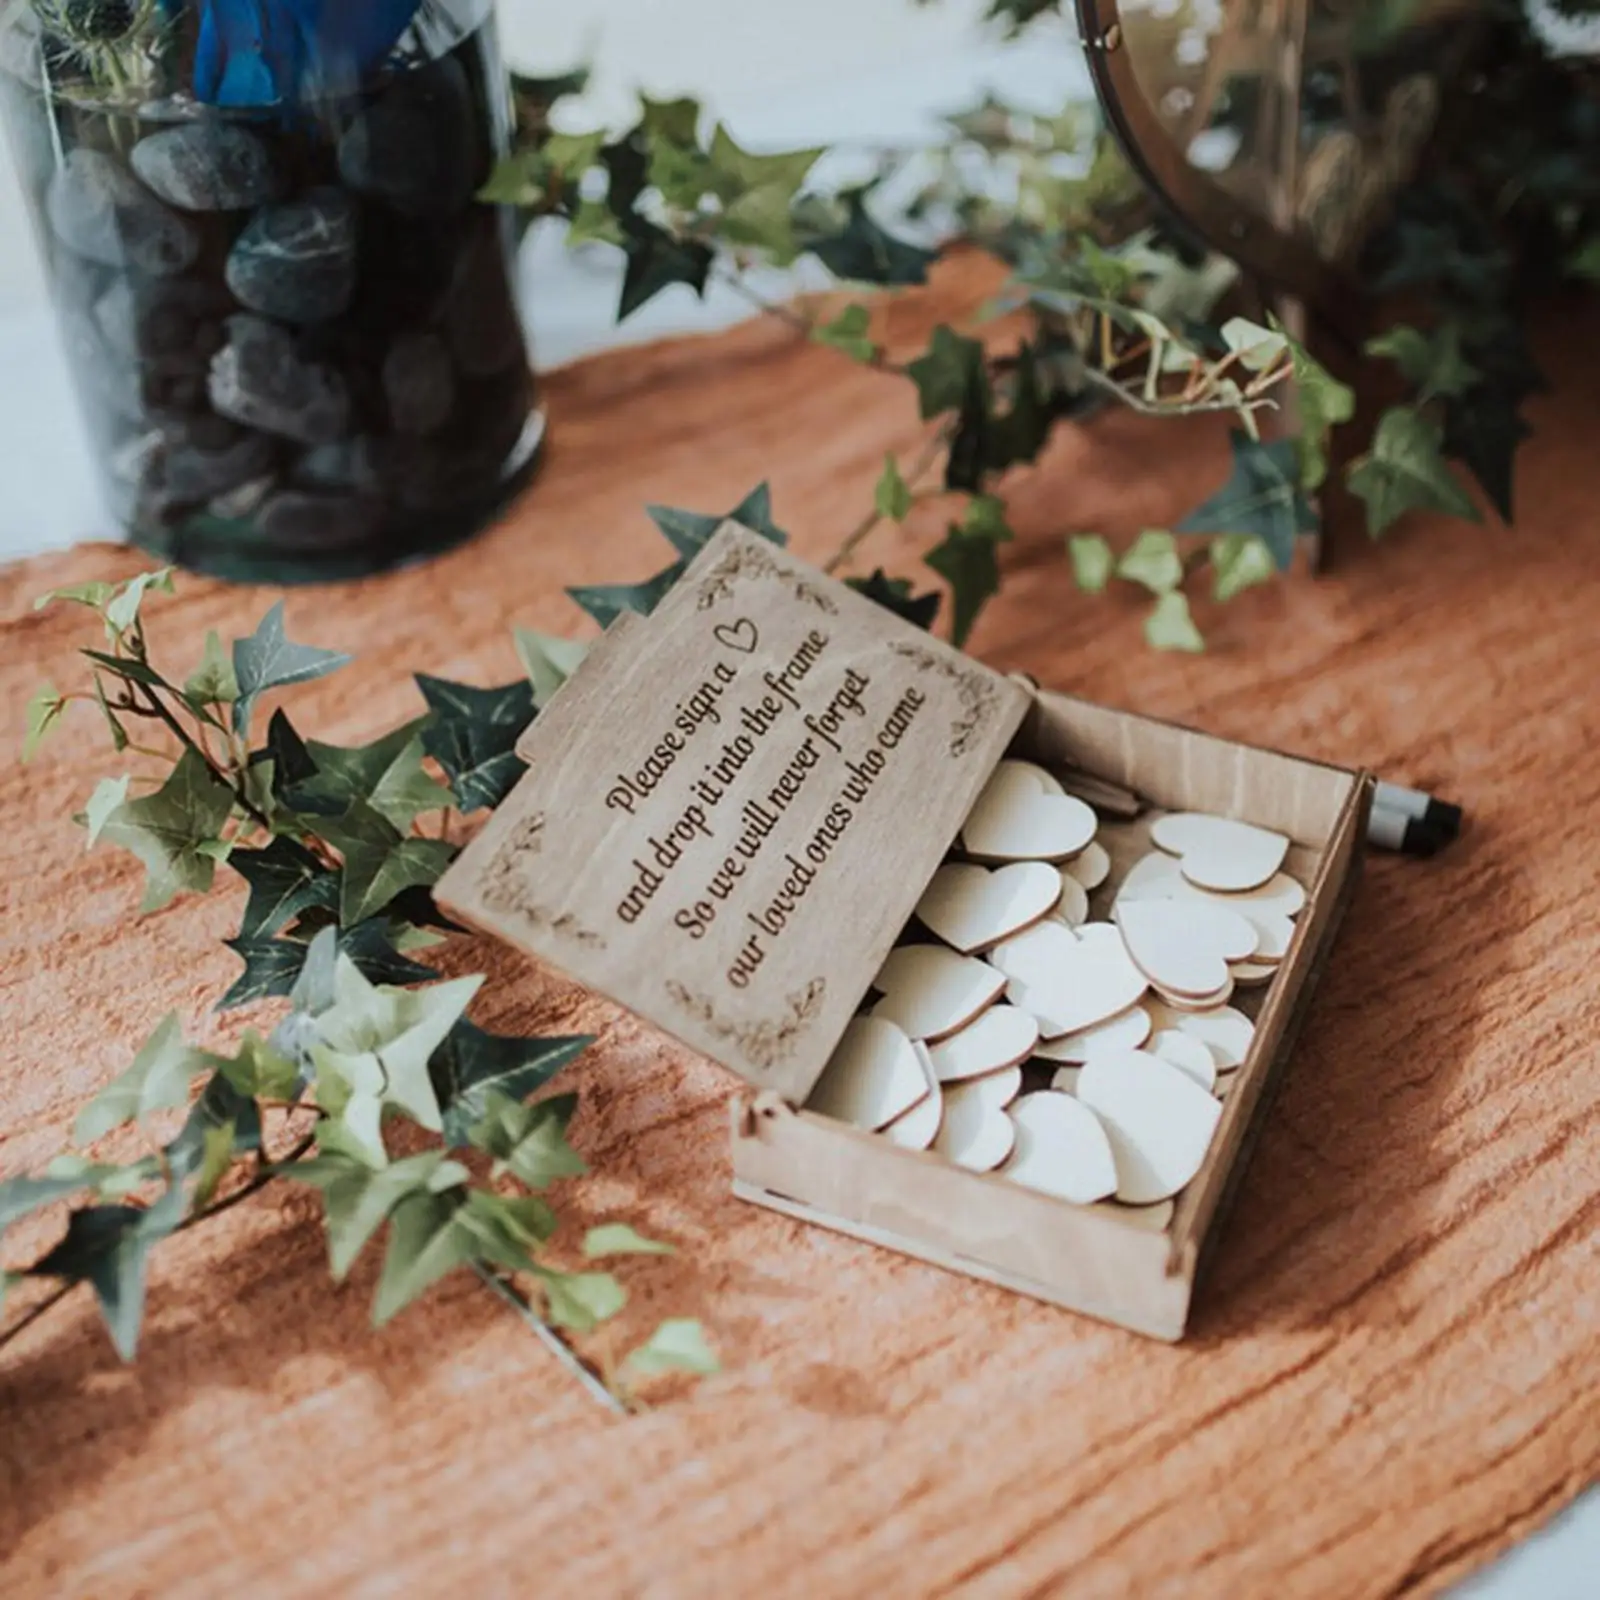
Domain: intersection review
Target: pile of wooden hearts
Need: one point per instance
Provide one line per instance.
(1084, 1058)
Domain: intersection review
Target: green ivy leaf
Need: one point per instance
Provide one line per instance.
(1261, 497)
(678, 1345)
(548, 661)
(398, 1030)
(1258, 348)
(1324, 402)
(593, 222)
(109, 1246)
(274, 967)
(426, 1243)
(94, 595)
(618, 1239)
(358, 1200)
(271, 968)
(109, 794)
(1434, 362)
(285, 879)
(1239, 561)
(581, 1301)
(379, 863)
(1153, 560)
(1169, 625)
(892, 496)
(529, 1141)
(863, 252)
(895, 594)
(1404, 471)
(473, 735)
(44, 712)
(119, 734)
(1482, 429)
(1092, 561)
(285, 754)
(213, 681)
(688, 532)
(847, 332)
(605, 602)
(67, 1176)
(159, 1078)
(269, 660)
(166, 830)
(387, 775)
(657, 261)
(948, 373)
(969, 565)
(122, 609)
(471, 1066)
(259, 1071)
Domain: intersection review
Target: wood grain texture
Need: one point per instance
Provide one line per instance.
(1393, 1372)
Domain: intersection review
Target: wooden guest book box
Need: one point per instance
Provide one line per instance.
(733, 808)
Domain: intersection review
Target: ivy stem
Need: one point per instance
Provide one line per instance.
(159, 707)
(932, 446)
(569, 1358)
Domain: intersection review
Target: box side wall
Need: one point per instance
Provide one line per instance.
(858, 1183)
(1180, 769)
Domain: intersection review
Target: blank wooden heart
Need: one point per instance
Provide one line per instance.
(1073, 906)
(929, 991)
(1189, 1055)
(1184, 947)
(915, 1129)
(1078, 982)
(1091, 868)
(1148, 1219)
(1219, 853)
(1252, 974)
(1158, 1119)
(1273, 934)
(1060, 1148)
(1002, 1037)
(975, 1133)
(1125, 1031)
(872, 1077)
(972, 907)
(1195, 1003)
(1014, 820)
(1035, 952)
(1159, 877)
(1226, 1032)
(1045, 780)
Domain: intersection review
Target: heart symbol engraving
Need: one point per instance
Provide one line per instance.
(740, 635)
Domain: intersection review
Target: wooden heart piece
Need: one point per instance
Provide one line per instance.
(915, 1129)
(1184, 947)
(1158, 1119)
(1071, 980)
(972, 907)
(929, 991)
(1226, 1032)
(1125, 1031)
(1003, 1036)
(1158, 876)
(1013, 819)
(872, 1077)
(1188, 1054)
(1219, 853)
(1061, 1148)
(976, 1133)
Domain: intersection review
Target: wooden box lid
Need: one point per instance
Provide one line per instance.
(733, 806)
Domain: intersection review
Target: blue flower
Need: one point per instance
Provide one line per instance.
(262, 52)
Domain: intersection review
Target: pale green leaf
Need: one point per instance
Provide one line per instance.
(122, 609)
(1323, 402)
(847, 332)
(581, 1300)
(678, 1345)
(213, 681)
(44, 712)
(1405, 471)
(528, 1141)
(547, 660)
(387, 774)
(109, 794)
(619, 1239)
(426, 1242)
(1092, 561)
(216, 1156)
(165, 830)
(593, 222)
(1238, 561)
(358, 1200)
(379, 862)
(94, 595)
(1169, 625)
(259, 1070)
(1432, 362)
(158, 1079)
(268, 659)
(892, 497)
(1152, 560)
(1256, 347)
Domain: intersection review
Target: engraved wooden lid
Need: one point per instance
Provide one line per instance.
(732, 807)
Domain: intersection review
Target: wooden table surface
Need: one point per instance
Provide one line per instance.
(1394, 1372)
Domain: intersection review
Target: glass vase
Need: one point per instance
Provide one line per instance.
(292, 326)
